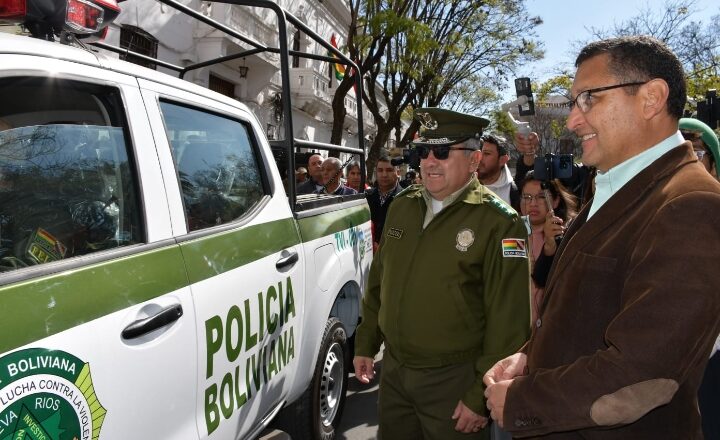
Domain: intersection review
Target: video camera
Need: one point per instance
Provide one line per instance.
(553, 166)
(409, 156)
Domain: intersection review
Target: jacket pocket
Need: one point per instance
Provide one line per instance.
(598, 295)
(463, 308)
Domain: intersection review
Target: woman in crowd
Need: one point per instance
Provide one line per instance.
(353, 175)
(548, 219)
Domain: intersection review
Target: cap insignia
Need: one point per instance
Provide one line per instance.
(426, 120)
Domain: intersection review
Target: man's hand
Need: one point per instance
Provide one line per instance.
(364, 368)
(505, 369)
(467, 420)
(495, 395)
(527, 146)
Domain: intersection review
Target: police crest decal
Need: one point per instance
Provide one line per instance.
(465, 238)
(47, 394)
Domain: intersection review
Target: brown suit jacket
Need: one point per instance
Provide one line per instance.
(631, 312)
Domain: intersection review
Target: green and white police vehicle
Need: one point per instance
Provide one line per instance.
(156, 280)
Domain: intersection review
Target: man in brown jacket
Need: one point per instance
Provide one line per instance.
(632, 303)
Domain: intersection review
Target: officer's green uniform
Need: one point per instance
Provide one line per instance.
(449, 297)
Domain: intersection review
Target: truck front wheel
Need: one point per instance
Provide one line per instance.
(316, 414)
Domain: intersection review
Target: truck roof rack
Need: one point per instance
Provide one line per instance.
(284, 17)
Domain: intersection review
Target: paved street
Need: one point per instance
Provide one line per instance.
(359, 420)
(360, 417)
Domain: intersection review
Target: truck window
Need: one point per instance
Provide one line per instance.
(216, 164)
(67, 185)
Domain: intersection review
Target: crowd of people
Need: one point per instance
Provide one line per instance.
(549, 308)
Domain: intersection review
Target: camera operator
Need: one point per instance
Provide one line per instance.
(548, 221)
(528, 146)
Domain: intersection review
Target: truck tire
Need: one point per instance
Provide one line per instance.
(316, 414)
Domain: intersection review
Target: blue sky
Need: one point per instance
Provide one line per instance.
(565, 21)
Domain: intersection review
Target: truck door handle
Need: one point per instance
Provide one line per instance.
(163, 317)
(288, 260)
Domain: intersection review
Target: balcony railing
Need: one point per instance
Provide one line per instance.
(311, 90)
(248, 22)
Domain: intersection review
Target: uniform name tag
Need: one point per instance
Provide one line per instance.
(514, 247)
(394, 233)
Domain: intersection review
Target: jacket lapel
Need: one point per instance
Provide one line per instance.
(622, 203)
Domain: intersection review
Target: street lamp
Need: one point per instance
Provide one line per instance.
(243, 70)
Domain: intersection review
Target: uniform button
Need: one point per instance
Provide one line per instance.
(538, 323)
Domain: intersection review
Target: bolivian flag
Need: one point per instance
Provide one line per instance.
(339, 68)
(513, 247)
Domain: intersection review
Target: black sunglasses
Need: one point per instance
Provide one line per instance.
(441, 152)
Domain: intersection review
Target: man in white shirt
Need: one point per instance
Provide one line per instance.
(494, 173)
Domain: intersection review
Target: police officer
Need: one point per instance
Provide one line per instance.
(705, 144)
(448, 291)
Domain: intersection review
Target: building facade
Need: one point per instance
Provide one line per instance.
(149, 27)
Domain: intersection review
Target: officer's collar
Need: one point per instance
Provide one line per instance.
(472, 193)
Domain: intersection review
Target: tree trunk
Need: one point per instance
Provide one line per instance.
(339, 112)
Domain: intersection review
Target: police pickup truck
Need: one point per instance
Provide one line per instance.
(156, 280)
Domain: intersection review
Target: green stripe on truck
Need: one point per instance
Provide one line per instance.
(36, 308)
(40, 307)
(210, 256)
(312, 228)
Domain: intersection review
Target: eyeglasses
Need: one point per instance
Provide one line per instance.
(527, 198)
(584, 98)
(441, 152)
(700, 154)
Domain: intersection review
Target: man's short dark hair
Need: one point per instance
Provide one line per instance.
(499, 142)
(384, 157)
(642, 58)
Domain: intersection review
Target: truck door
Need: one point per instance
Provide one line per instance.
(98, 327)
(242, 252)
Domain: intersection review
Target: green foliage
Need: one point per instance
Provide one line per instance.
(500, 123)
(696, 43)
(557, 85)
(557, 127)
(451, 53)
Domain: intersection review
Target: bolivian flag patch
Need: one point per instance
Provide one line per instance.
(514, 247)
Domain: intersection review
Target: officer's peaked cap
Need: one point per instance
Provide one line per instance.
(706, 134)
(446, 127)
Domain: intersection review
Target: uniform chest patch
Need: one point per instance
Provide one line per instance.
(394, 233)
(464, 240)
(514, 247)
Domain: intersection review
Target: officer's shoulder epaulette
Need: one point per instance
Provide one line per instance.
(500, 205)
(410, 191)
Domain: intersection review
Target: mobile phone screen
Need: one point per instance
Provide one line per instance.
(524, 88)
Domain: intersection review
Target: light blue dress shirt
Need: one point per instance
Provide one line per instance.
(610, 182)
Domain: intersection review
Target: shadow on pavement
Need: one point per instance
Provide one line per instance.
(360, 419)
